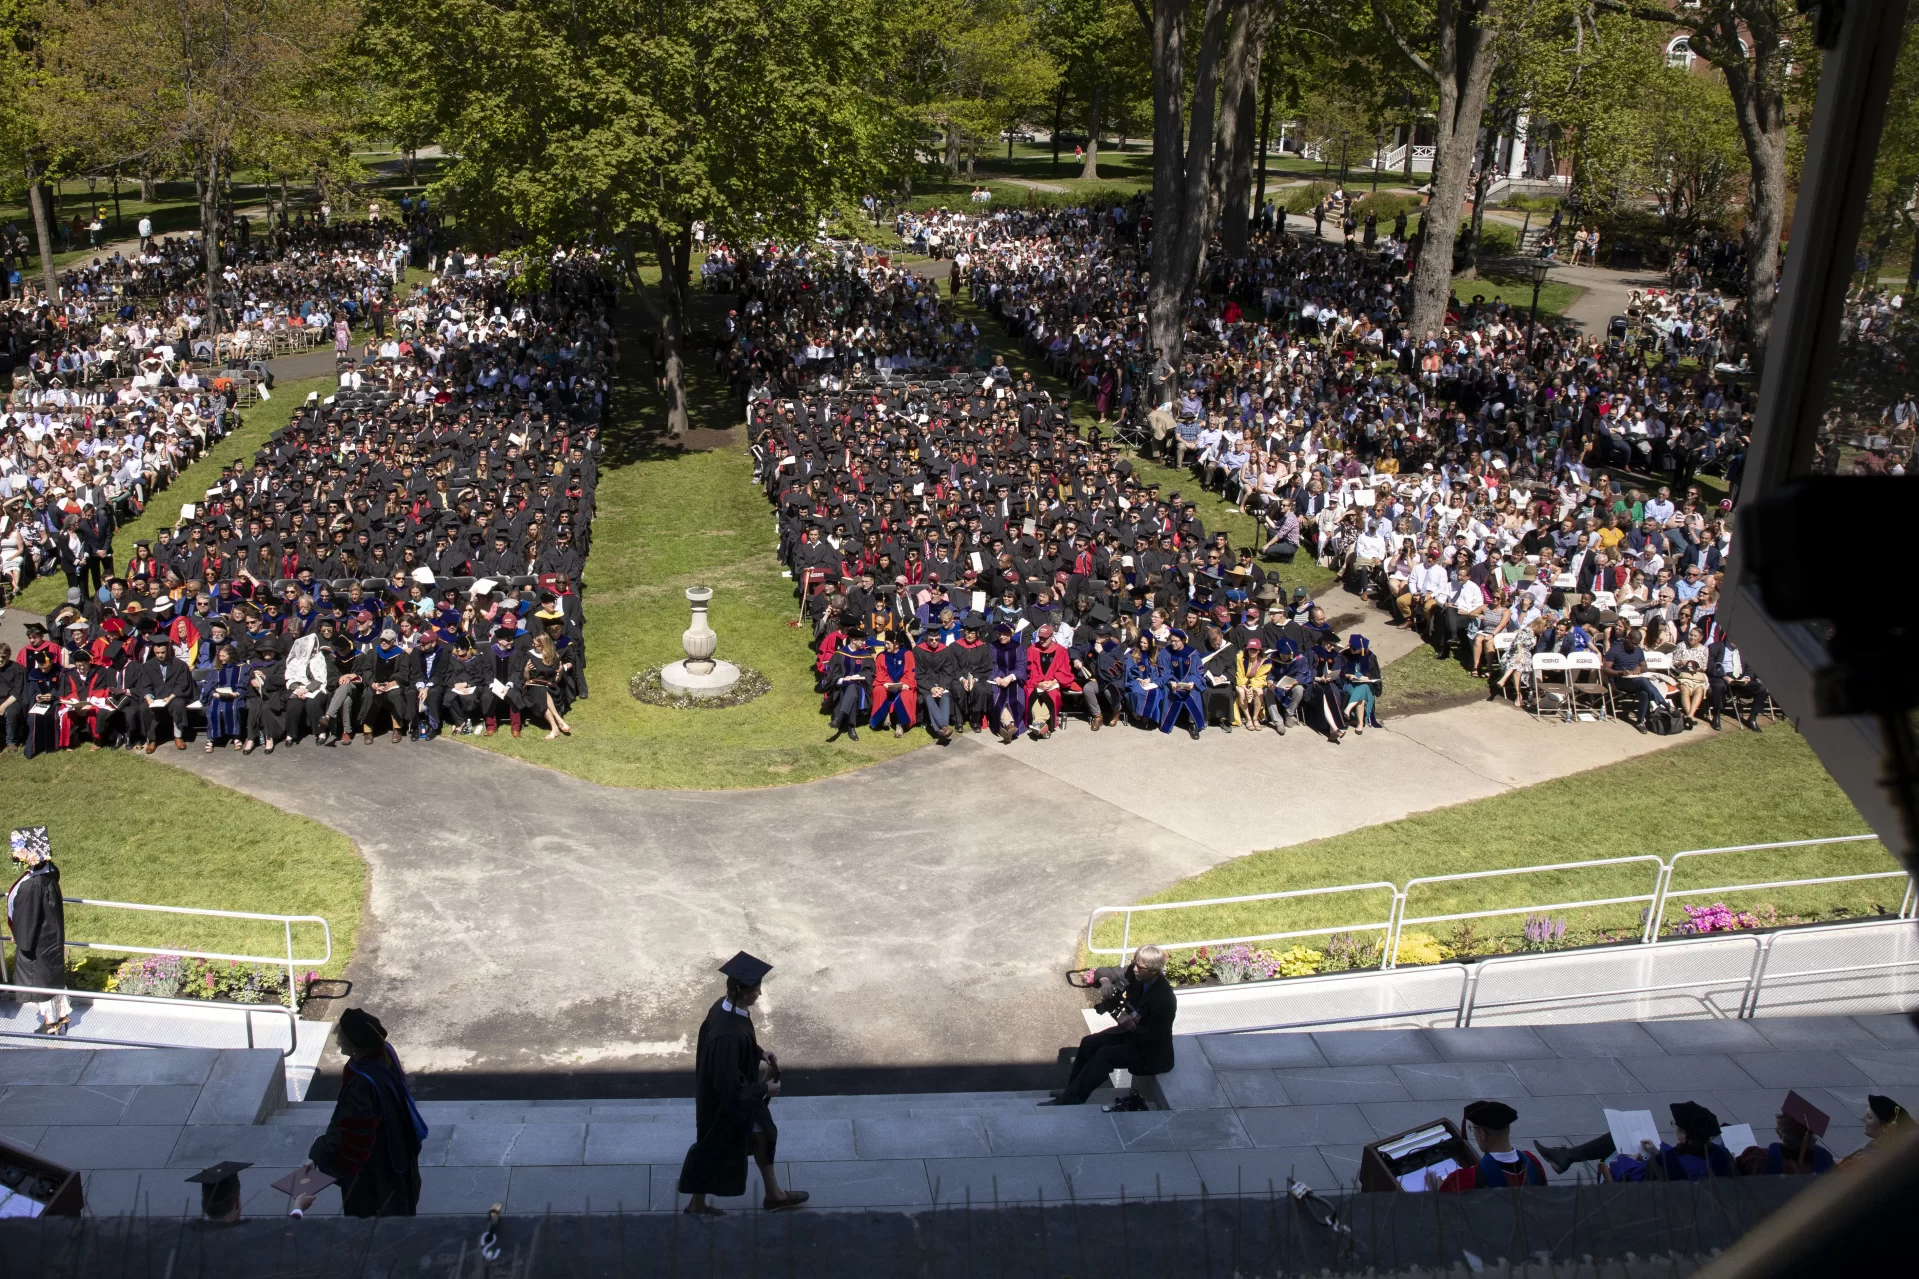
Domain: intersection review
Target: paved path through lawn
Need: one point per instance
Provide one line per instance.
(920, 911)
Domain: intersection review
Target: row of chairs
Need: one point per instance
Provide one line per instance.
(371, 584)
(1567, 682)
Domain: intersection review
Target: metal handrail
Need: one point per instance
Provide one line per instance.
(1126, 933)
(1906, 904)
(198, 1005)
(1395, 926)
(1391, 956)
(289, 960)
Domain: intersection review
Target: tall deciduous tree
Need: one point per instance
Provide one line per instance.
(1182, 148)
(1455, 45)
(1753, 43)
(568, 119)
(206, 81)
(24, 148)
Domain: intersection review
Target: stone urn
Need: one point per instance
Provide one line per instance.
(698, 674)
(698, 640)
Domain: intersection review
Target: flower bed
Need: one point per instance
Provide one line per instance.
(1540, 934)
(172, 977)
(646, 687)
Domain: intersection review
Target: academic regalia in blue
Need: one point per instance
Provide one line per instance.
(1180, 666)
(1142, 702)
(1009, 700)
(226, 714)
(850, 685)
(1670, 1164)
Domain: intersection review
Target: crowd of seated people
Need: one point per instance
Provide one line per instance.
(1466, 480)
(404, 556)
(1702, 1148)
(970, 563)
(1483, 484)
(140, 318)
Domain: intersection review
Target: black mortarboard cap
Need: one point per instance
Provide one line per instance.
(219, 1172)
(1698, 1122)
(1491, 1114)
(1099, 615)
(220, 1189)
(746, 969)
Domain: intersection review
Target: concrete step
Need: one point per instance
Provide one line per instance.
(680, 1109)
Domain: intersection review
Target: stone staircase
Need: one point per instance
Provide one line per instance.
(1246, 1112)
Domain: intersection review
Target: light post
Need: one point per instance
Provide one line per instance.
(1541, 266)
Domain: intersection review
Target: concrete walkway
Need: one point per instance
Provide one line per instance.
(522, 920)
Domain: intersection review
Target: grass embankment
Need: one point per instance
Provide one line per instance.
(1418, 681)
(1217, 513)
(1739, 788)
(125, 828)
(257, 422)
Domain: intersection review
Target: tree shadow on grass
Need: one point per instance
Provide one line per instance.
(635, 428)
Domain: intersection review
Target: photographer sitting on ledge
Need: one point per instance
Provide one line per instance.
(1143, 1007)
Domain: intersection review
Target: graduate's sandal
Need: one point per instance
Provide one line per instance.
(794, 1198)
(704, 1210)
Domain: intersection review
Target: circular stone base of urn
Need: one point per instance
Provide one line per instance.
(678, 680)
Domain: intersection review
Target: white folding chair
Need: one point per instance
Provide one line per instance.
(1503, 642)
(1549, 668)
(1585, 679)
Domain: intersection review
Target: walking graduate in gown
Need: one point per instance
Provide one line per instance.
(734, 1080)
(36, 918)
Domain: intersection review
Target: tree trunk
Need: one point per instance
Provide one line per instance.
(675, 253)
(952, 149)
(209, 184)
(284, 213)
(1089, 167)
(1477, 225)
(147, 185)
(1265, 142)
(1236, 217)
(37, 200)
(1412, 131)
(1179, 167)
(1755, 80)
(1059, 110)
(1462, 69)
(1239, 71)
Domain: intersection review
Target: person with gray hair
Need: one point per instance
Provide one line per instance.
(1141, 1038)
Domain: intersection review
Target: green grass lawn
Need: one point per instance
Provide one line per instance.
(1554, 297)
(667, 520)
(1737, 788)
(126, 828)
(1418, 682)
(258, 421)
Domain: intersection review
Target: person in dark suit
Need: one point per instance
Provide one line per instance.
(1141, 1039)
(1726, 675)
(161, 687)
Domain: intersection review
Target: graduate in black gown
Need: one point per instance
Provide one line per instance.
(36, 919)
(734, 1080)
(371, 1145)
